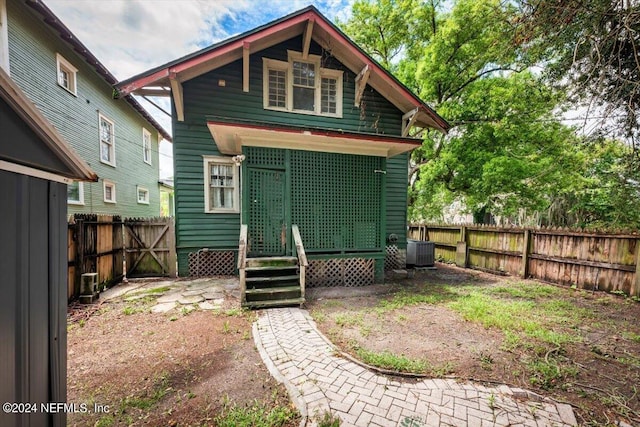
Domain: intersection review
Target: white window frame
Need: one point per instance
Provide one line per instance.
(144, 201)
(146, 146)
(72, 72)
(207, 160)
(102, 117)
(105, 184)
(273, 64)
(80, 200)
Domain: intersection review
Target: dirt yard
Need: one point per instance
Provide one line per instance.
(579, 347)
(188, 368)
(174, 369)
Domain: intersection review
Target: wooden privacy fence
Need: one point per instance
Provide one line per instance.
(609, 262)
(100, 244)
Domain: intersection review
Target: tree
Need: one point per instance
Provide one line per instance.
(503, 149)
(591, 47)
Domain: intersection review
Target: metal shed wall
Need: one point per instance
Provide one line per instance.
(33, 257)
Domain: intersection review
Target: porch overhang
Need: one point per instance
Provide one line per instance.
(231, 137)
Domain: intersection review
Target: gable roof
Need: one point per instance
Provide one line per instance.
(18, 102)
(312, 24)
(49, 18)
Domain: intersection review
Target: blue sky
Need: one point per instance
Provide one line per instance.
(132, 36)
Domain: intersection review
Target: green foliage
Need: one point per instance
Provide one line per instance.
(256, 415)
(392, 361)
(508, 153)
(328, 420)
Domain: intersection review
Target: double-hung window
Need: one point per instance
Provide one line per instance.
(302, 86)
(107, 141)
(222, 189)
(146, 146)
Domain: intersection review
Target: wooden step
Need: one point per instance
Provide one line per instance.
(271, 294)
(271, 271)
(252, 281)
(273, 303)
(284, 261)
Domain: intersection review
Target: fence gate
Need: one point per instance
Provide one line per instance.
(149, 247)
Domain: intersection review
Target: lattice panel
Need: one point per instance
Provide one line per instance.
(266, 212)
(340, 272)
(395, 259)
(336, 200)
(212, 263)
(265, 157)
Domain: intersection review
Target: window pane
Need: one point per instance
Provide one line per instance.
(63, 78)
(303, 99)
(108, 192)
(105, 131)
(329, 102)
(221, 198)
(105, 151)
(277, 88)
(304, 74)
(73, 192)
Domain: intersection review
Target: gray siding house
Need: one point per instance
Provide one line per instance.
(117, 138)
(36, 165)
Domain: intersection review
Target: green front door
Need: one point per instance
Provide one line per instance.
(266, 206)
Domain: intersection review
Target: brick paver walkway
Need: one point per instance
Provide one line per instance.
(318, 380)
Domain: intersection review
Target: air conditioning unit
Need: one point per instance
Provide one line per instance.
(420, 254)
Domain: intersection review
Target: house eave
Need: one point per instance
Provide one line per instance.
(231, 137)
(311, 25)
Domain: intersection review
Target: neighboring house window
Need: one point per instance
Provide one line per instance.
(67, 74)
(302, 86)
(143, 195)
(75, 193)
(109, 191)
(146, 146)
(222, 192)
(107, 141)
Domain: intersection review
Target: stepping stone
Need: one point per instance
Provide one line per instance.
(199, 285)
(188, 308)
(213, 295)
(173, 297)
(136, 297)
(208, 306)
(191, 299)
(191, 292)
(163, 307)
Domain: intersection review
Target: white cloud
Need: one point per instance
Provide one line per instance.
(132, 36)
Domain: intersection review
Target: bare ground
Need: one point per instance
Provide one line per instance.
(179, 369)
(606, 359)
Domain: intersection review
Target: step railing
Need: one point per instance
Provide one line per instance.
(298, 250)
(242, 262)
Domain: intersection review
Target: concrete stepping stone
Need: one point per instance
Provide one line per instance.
(191, 299)
(213, 295)
(172, 297)
(192, 292)
(163, 307)
(199, 285)
(209, 306)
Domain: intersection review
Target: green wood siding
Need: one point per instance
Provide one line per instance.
(32, 56)
(206, 99)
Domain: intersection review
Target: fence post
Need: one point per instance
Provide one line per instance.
(80, 249)
(635, 288)
(525, 253)
(461, 248)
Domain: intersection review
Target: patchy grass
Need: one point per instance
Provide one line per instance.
(577, 346)
(387, 360)
(255, 415)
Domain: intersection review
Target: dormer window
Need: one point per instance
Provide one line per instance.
(302, 86)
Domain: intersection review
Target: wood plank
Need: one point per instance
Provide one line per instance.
(598, 264)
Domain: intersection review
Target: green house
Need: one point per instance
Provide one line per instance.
(74, 91)
(291, 150)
